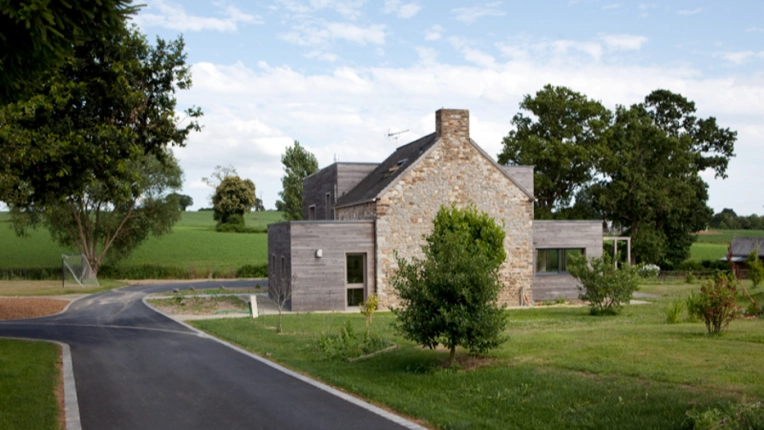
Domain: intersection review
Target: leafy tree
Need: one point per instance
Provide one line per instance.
(716, 304)
(79, 142)
(38, 35)
(651, 180)
(101, 226)
(184, 201)
(109, 105)
(259, 207)
(563, 142)
(298, 164)
(450, 297)
(603, 285)
(233, 198)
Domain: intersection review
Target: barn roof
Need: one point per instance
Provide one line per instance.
(742, 246)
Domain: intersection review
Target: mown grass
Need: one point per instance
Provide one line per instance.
(193, 245)
(28, 379)
(560, 368)
(53, 288)
(725, 236)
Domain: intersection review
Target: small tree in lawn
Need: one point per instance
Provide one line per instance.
(603, 285)
(755, 267)
(716, 304)
(450, 296)
(280, 290)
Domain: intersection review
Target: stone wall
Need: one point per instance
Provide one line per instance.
(454, 171)
(357, 212)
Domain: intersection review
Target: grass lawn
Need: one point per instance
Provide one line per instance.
(725, 236)
(193, 244)
(708, 251)
(560, 368)
(52, 288)
(29, 377)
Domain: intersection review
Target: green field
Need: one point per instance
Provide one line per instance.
(193, 244)
(28, 378)
(560, 368)
(714, 246)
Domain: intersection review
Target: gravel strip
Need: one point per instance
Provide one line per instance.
(19, 308)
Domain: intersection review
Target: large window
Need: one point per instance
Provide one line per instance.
(355, 278)
(553, 261)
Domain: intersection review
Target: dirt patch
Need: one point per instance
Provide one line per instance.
(19, 308)
(708, 233)
(199, 305)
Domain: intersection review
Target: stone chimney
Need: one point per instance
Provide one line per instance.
(452, 123)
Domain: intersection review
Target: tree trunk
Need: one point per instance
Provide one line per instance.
(279, 328)
(452, 357)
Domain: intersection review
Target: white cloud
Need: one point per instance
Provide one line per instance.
(434, 33)
(469, 15)
(611, 6)
(321, 55)
(169, 15)
(738, 57)
(347, 8)
(406, 10)
(624, 42)
(593, 49)
(690, 11)
(323, 32)
(755, 30)
(427, 55)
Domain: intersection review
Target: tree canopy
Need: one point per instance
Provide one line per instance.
(89, 146)
(563, 142)
(232, 199)
(38, 35)
(298, 164)
(639, 168)
(450, 296)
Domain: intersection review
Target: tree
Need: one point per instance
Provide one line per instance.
(650, 175)
(755, 267)
(38, 35)
(603, 285)
(298, 164)
(184, 201)
(563, 143)
(450, 296)
(110, 104)
(233, 198)
(100, 226)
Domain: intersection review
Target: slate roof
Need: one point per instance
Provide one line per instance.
(386, 172)
(742, 246)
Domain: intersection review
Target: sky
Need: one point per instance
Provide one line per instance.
(340, 76)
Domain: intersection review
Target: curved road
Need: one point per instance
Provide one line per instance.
(137, 369)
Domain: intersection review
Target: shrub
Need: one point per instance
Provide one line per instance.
(348, 344)
(369, 307)
(694, 305)
(450, 297)
(252, 271)
(673, 311)
(604, 286)
(737, 416)
(689, 278)
(649, 271)
(755, 267)
(716, 304)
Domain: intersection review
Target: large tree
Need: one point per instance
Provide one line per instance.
(108, 107)
(298, 164)
(232, 199)
(38, 35)
(101, 227)
(450, 296)
(562, 139)
(650, 176)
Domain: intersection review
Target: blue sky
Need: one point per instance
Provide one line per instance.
(337, 75)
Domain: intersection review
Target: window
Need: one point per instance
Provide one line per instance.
(283, 267)
(328, 206)
(312, 212)
(355, 278)
(552, 261)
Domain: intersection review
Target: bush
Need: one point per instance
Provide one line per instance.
(603, 286)
(716, 304)
(451, 296)
(252, 271)
(715, 265)
(348, 344)
(649, 271)
(694, 305)
(673, 311)
(755, 268)
(739, 416)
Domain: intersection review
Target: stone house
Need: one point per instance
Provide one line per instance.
(358, 215)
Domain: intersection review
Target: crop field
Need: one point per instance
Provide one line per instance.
(559, 368)
(193, 244)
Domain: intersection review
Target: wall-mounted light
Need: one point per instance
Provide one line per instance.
(319, 253)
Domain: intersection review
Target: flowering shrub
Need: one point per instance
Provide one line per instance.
(649, 271)
(716, 304)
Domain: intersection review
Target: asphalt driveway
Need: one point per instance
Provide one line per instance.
(137, 369)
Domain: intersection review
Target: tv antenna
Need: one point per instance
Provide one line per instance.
(394, 135)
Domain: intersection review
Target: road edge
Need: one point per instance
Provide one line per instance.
(320, 385)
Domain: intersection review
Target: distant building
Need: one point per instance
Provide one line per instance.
(740, 248)
(359, 215)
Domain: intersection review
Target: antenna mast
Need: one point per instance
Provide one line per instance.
(394, 135)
